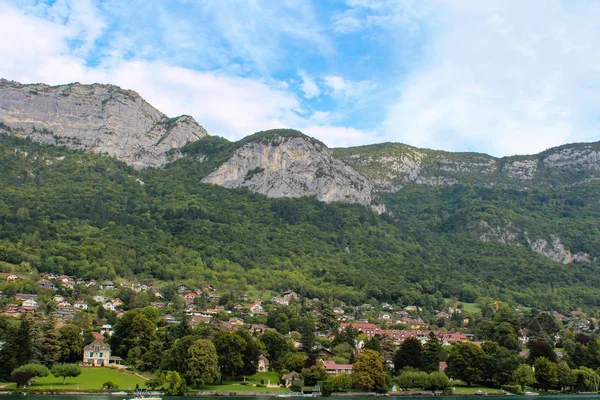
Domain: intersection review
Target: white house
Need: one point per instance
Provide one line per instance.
(30, 303)
(98, 354)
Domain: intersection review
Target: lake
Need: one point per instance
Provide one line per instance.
(87, 397)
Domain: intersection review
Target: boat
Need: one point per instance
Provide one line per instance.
(142, 394)
(531, 394)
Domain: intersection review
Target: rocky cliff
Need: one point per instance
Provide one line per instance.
(100, 118)
(392, 166)
(291, 165)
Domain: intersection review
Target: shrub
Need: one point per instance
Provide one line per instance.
(514, 389)
(108, 385)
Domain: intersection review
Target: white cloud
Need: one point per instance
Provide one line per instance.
(341, 87)
(224, 104)
(308, 86)
(503, 77)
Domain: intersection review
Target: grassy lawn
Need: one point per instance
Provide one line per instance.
(236, 386)
(460, 389)
(471, 308)
(90, 379)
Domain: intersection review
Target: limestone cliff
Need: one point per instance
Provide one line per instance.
(291, 166)
(100, 118)
(392, 166)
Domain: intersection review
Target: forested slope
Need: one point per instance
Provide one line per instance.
(92, 216)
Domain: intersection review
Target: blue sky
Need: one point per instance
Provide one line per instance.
(503, 78)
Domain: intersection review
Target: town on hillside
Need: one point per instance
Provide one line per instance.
(208, 335)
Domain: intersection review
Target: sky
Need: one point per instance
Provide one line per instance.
(500, 77)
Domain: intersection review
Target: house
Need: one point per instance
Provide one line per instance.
(107, 285)
(199, 319)
(288, 379)
(58, 298)
(107, 329)
(43, 283)
(98, 354)
(99, 298)
(289, 294)
(182, 288)
(63, 304)
(11, 278)
(256, 307)
(338, 310)
(136, 287)
(25, 296)
(190, 296)
(109, 306)
(30, 303)
(80, 304)
(335, 369)
(284, 301)
(263, 364)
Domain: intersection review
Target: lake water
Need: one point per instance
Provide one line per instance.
(86, 397)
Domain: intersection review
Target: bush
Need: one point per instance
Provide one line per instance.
(514, 389)
(108, 385)
(21, 378)
(409, 380)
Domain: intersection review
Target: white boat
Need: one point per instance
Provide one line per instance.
(140, 394)
(531, 394)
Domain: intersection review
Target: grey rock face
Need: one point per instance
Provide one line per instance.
(292, 167)
(99, 118)
(551, 247)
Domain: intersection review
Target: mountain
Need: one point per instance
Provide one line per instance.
(279, 210)
(100, 118)
(286, 163)
(392, 166)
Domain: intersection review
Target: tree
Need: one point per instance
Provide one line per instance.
(307, 329)
(373, 344)
(276, 347)
(367, 371)
(65, 370)
(465, 362)
(32, 370)
(294, 361)
(21, 378)
(499, 363)
(540, 348)
(565, 377)
(174, 384)
(314, 374)
(432, 351)
(546, 373)
(438, 381)
(250, 354)
(409, 355)
(340, 383)
(230, 349)
(70, 343)
(202, 363)
(523, 376)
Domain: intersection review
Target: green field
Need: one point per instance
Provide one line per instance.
(471, 308)
(90, 379)
(236, 386)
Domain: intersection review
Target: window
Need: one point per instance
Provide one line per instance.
(100, 355)
(91, 354)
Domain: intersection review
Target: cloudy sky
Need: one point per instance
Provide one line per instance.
(500, 77)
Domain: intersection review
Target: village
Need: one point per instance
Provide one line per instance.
(98, 306)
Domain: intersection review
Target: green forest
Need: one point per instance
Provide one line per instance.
(91, 216)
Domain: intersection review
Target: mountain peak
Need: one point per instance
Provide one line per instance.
(96, 117)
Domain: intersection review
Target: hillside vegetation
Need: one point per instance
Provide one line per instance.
(88, 215)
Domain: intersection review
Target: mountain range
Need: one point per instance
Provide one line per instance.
(448, 213)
